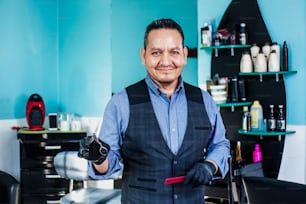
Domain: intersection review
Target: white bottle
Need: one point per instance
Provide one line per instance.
(266, 49)
(211, 30)
(276, 47)
(273, 64)
(254, 52)
(205, 36)
(246, 64)
(260, 63)
(256, 116)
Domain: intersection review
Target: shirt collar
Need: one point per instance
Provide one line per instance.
(156, 90)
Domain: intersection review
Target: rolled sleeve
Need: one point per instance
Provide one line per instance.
(113, 127)
(219, 147)
(114, 170)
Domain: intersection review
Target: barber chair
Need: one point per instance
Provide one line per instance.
(9, 189)
(265, 190)
(222, 190)
(68, 165)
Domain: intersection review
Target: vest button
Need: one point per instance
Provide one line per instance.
(175, 196)
(174, 162)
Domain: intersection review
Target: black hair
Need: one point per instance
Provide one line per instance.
(164, 23)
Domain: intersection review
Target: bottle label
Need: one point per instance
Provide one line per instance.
(281, 125)
(271, 124)
(243, 38)
(205, 39)
(254, 119)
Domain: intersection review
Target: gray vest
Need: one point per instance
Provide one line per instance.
(147, 158)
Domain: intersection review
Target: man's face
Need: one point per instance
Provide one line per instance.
(164, 56)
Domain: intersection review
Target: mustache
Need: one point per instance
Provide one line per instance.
(166, 67)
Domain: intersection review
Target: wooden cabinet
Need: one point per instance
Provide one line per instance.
(39, 180)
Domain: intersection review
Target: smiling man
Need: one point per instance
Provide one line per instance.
(160, 128)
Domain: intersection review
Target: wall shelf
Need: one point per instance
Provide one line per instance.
(261, 74)
(266, 133)
(231, 47)
(234, 104)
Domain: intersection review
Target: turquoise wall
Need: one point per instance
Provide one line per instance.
(28, 55)
(129, 20)
(287, 22)
(75, 53)
(85, 57)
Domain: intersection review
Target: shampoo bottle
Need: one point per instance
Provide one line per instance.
(256, 116)
(257, 154)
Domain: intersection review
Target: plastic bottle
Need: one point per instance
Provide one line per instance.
(249, 121)
(246, 64)
(211, 29)
(238, 152)
(205, 36)
(243, 34)
(271, 119)
(257, 154)
(233, 37)
(281, 121)
(275, 46)
(245, 118)
(260, 64)
(285, 56)
(273, 63)
(256, 116)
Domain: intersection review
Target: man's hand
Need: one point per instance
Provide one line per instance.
(200, 174)
(93, 149)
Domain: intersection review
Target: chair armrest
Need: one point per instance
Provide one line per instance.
(9, 189)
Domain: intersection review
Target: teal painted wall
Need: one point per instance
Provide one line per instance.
(75, 53)
(85, 57)
(28, 55)
(129, 20)
(287, 22)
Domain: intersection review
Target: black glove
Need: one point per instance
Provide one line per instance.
(200, 174)
(93, 149)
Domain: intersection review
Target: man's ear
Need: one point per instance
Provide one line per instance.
(185, 52)
(142, 55)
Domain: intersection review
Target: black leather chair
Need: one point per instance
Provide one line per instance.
(263, 190)
(222, 190)
(9, 189)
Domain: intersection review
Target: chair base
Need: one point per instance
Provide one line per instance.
(93, 196)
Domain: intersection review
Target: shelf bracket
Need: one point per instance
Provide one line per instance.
(232, 52)
(216, 52)
(279, 138)
(277, 77)
(260, 78)
(233, 108)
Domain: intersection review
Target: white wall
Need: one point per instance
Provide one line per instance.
(294, 156)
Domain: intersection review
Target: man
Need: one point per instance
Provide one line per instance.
(160, 127)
